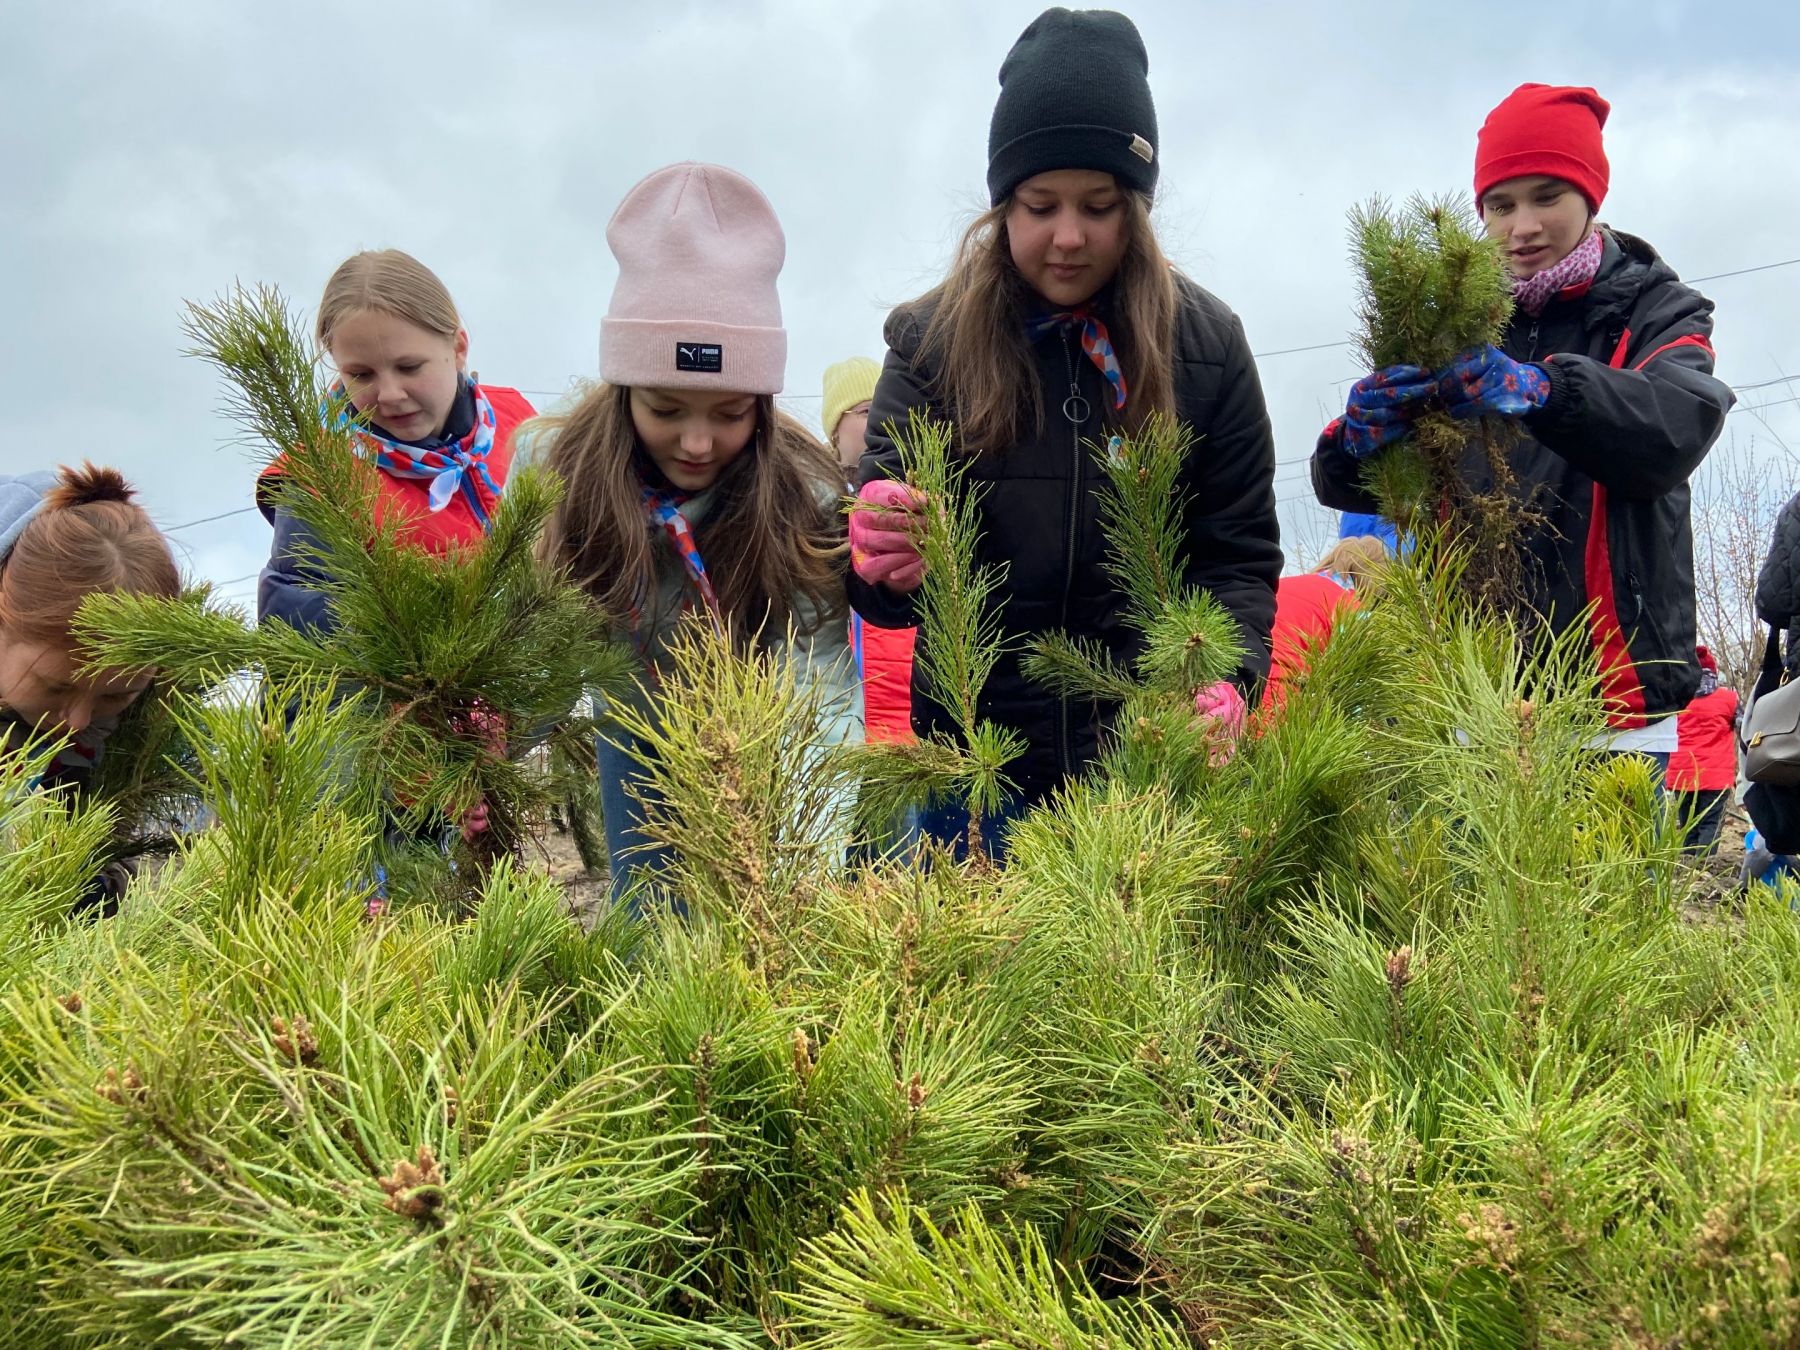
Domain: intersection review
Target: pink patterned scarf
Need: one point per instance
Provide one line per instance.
(1532, 293)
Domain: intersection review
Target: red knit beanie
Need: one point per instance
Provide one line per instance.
(1546, 129)
(1705, 658)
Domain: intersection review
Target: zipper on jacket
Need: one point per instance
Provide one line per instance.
(1075, 408)
(1531, 340)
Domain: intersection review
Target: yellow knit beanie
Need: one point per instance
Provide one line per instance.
(847, 384)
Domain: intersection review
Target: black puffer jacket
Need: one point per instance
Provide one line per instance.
(1633, 409)
(1039, 516)
(1778, 584)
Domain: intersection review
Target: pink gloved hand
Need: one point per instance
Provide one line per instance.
(884, 546)
(1220, 708)
(476, 821)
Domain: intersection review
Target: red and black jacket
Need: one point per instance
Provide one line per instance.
(290, 588)
(1633, 409)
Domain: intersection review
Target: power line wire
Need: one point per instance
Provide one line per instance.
(1745, 271)
(207, 520)
(1763, 384)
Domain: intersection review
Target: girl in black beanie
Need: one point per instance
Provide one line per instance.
(1060, 324)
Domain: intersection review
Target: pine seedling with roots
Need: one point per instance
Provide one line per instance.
(959, 643)
(457, 661)
(1188, 640)
(1433, 285)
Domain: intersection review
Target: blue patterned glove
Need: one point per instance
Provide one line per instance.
(1382, 406)
(1486, 382)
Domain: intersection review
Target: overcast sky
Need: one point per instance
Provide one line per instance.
(157, 153)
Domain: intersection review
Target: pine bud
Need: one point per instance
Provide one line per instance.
(122, 1089)
(803, 1054)
(415, 1189)
(295, 1042)
(1399, 970)
(915, 1092)
(1495, 1235)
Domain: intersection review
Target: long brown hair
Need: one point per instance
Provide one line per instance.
(976, 335)
(772, 535)
(89, 535)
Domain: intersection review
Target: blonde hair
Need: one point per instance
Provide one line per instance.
(772, 534)
(88, 536)
(388, 282)
(976, 337)
(1362, 558)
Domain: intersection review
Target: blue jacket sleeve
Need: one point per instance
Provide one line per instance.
(289, 589)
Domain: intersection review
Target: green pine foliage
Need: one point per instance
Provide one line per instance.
(959, 643)
(1400, 1028)
(1434, 285)
(455, 661)
(1187, 639)
(147, 775)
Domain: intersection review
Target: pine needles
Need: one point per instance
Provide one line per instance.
(1187, 641)
(1432, 286)
(959, 643)
(457, 662)
(1390, 1031)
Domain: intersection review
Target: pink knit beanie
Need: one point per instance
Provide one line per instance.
(695, 306)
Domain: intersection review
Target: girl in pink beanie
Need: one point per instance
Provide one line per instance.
(687, 490)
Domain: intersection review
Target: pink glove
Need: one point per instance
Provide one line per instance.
(1221, 711)
(883, 543)
(476, 822)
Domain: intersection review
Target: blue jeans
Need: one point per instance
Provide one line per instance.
(631, 858)
(947, 823)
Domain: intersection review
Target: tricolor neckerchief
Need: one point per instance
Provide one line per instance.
(1095, 341)
(449, 469)
(663, 507)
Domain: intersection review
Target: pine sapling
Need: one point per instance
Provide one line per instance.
(1189, 641)
(959, 643)
(458, 660)
(1433, 285)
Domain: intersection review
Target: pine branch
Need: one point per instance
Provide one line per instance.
(891, 1277)
(1077, 666)
(1434, 285)
(452, 652)
(960, 633)
(1192, 643)
(1141, 516)
(960, 638)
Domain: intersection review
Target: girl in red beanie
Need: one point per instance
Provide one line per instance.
(1606, 367)
(1061, 323)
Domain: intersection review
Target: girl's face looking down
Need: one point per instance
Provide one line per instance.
(41, 683)
(404, 377)
(692, 435)
(1066, 230)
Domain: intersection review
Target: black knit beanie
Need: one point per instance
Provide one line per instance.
(1074, 94)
